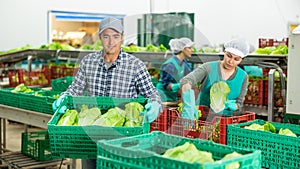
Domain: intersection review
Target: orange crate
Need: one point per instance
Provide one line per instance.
(213, 128)
(255, 92)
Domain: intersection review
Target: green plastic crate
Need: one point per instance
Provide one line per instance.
(107, 163)
(145, 151)
(80, 141)
(9, 98)
(13, 98)
(278, 151)
(36, 145)
(42, 104)
(61, 84)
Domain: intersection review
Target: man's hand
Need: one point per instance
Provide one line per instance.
(57, 103)
(151, 111)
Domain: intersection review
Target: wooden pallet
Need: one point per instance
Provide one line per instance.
(18, 160)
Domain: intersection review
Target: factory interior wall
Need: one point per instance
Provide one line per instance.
(25, 21)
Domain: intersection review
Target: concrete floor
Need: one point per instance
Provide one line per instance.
(14, 134)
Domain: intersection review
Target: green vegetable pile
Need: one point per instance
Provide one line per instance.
(148, 48)
(130, 117)
(22, 88)
(268, 127)
(189, 153)
(271, 50)
(208, 50)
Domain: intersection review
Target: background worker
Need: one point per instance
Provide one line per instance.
(225, 70)
(174, 69)
(113, 73)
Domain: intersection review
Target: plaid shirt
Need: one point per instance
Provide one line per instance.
(127, 77)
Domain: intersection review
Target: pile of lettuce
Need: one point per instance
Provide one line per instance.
(269, 127)
(272, 50)
(130, 117)
(22, 88)
(189, 153)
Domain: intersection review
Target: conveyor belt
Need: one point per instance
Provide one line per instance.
(19, 160)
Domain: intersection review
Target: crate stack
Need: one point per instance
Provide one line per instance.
(33, 78)
(257, 93)
(36, 145)
(278, 151)
(266, 42)
(62, 70)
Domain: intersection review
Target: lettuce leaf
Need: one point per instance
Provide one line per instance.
(88, 116)
(218, 96)
(70, 118)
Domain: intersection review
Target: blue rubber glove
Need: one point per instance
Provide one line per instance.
(56, 104)
(189, 110)
(175, 87)
(151, 111)
(231, 105)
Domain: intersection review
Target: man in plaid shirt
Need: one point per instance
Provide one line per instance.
(114, 73)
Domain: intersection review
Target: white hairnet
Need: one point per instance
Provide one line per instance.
(238, 47)
(177, 45)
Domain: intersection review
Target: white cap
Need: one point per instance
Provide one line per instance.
(177, 45)
(238, 47)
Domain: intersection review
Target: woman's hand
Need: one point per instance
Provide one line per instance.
(186, 87)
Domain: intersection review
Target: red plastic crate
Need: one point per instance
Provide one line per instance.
(278, 99)
(13, 78)
(34, 78)
(69, 71)
(59, 71)
(173, 114)
(161, 123)
(264, 42)
(213, 128)
(255, 92)
(266, 72)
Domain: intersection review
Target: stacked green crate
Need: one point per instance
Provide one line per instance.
(39, 101)
(278, 151)
(36, 145)
(9, 98)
